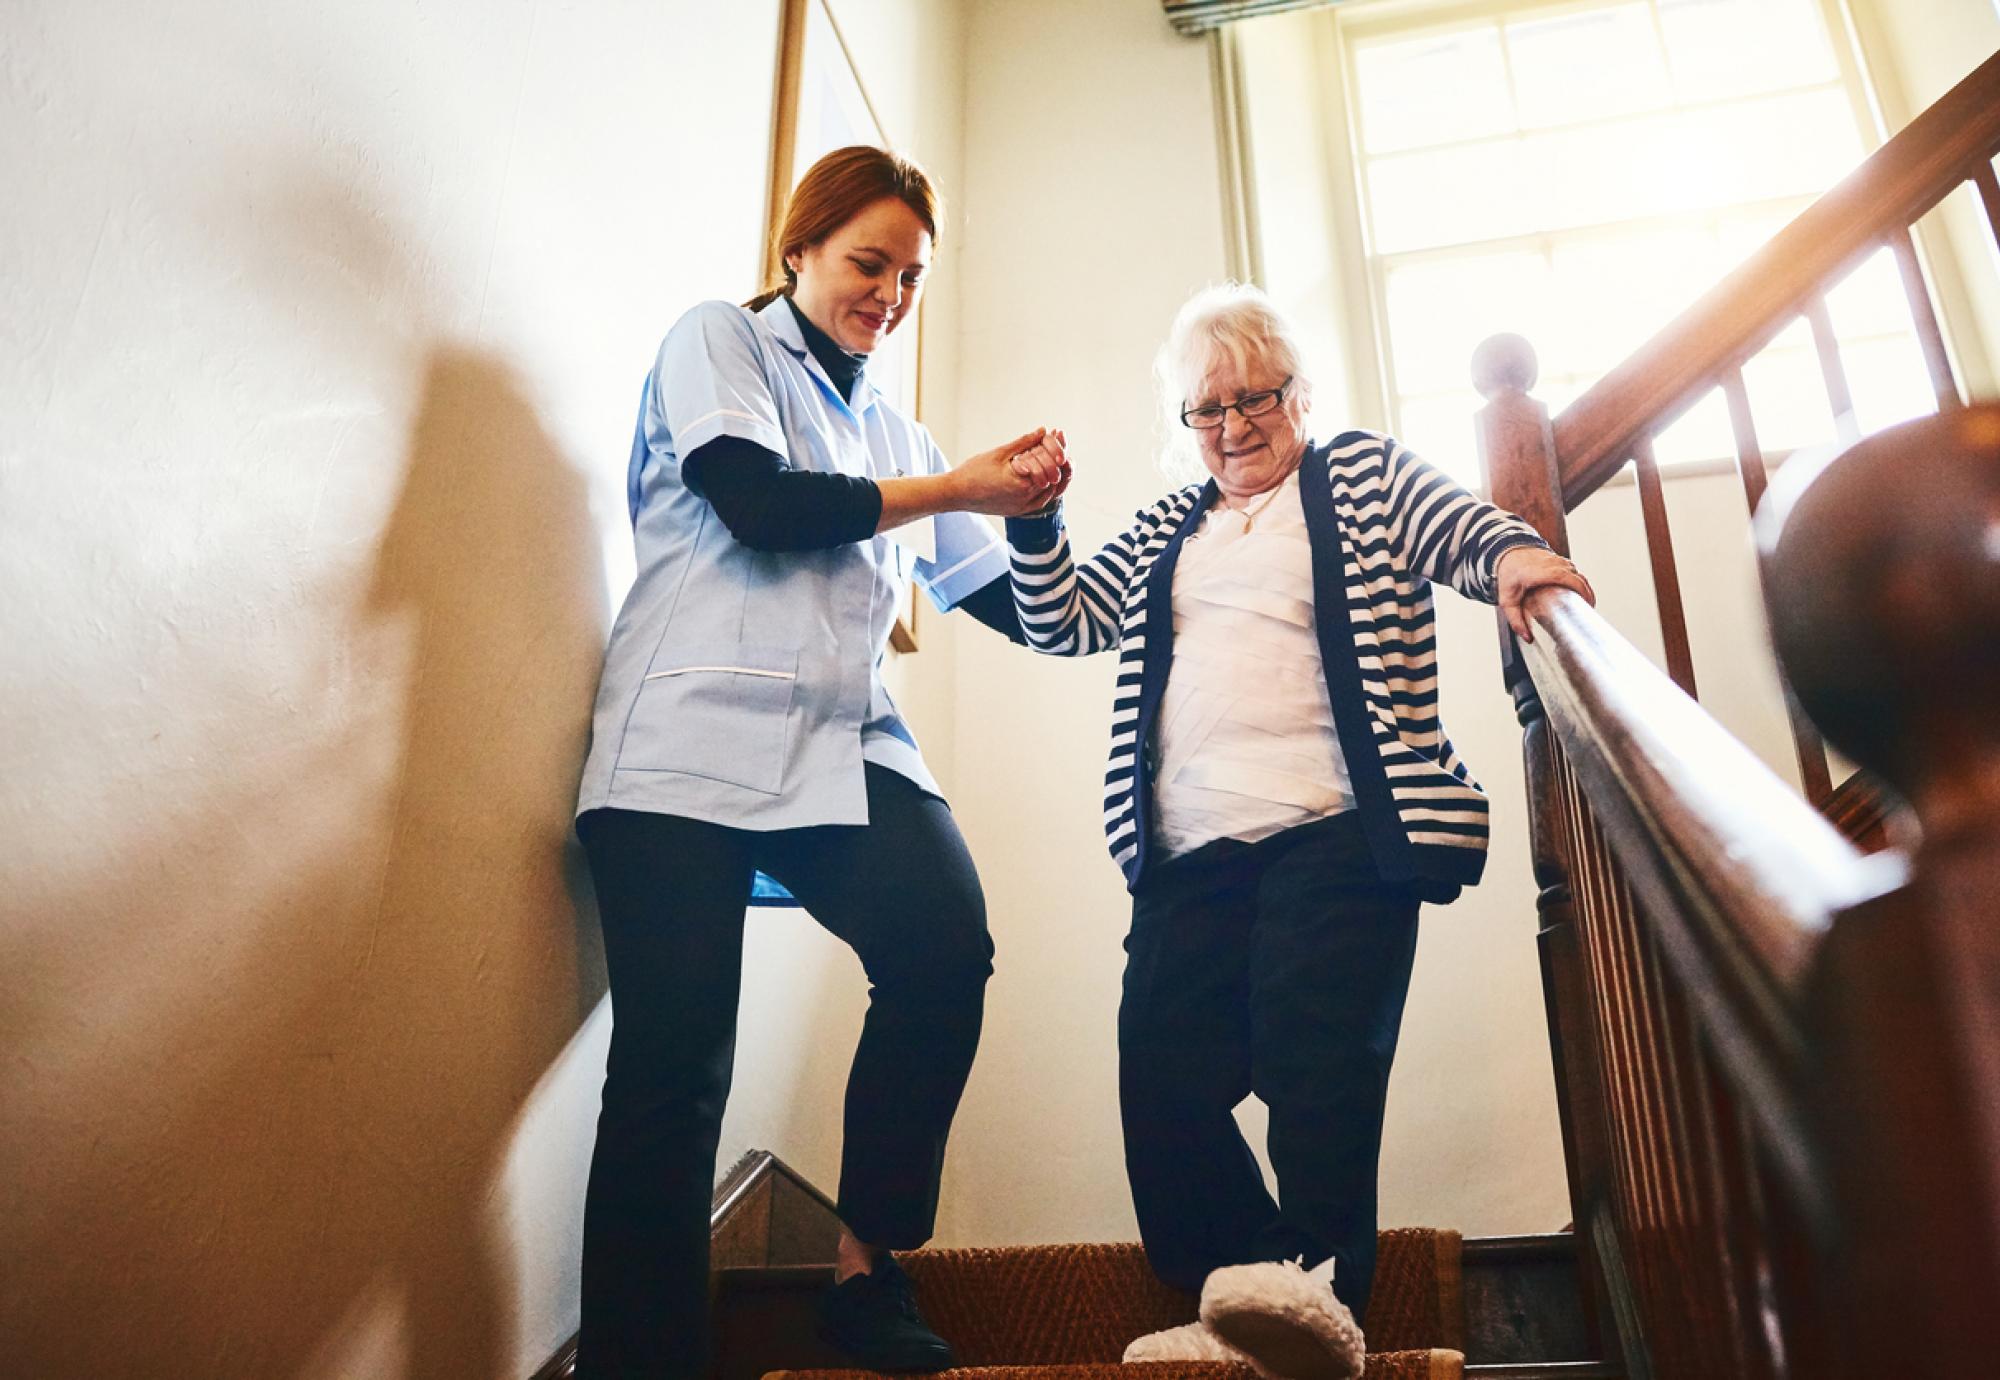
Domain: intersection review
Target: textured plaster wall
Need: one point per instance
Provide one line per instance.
(319, 343)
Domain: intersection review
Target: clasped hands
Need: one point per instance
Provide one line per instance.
(1022, 476)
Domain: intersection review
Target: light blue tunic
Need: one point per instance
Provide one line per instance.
(744, 687)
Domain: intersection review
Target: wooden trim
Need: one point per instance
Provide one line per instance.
(1242, 238)
(784, 131)
(1907, 176)
(1535, 1248)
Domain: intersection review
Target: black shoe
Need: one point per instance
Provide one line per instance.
(873, 1318)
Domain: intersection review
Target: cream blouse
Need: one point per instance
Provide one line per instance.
(1246, 744)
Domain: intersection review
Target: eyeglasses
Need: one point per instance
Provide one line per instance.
(1249, 405)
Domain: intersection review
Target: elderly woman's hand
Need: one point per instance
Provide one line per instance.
(1010, 480)
(1046, 464)
(1526, 568)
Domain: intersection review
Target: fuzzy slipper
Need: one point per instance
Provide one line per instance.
(1194, 1342)
(1285, 1319)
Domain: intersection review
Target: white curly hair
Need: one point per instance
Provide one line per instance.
(1233, 321)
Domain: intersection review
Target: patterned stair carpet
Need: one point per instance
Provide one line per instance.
(1068, 1312)
(1382, 1365)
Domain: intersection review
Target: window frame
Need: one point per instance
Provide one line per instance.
(1364, 272)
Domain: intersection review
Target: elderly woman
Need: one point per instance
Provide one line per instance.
(1281, 796)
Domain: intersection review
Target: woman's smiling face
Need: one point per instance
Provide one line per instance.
(1248, 455)
(862, 281)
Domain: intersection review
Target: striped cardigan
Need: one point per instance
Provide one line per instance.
(1382, 525)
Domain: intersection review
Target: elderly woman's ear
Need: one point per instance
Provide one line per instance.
(1523, 569)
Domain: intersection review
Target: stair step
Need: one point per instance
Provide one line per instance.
(1044, 1312)
(1062, 1304)
(1523, 1302)
(1387, 1365)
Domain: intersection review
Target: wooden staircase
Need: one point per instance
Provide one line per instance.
(1442, 1308)
(1776, 1038)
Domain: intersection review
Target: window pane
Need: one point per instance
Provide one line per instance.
(1692, 160)
(1583, 66)
(1439, 428)
(1701, 433)
(1435, 89)
(1592, 168)
(1797, 144)
(1613, 291)
(1439, 312)
(1721, 48)
(1744, 233)
(1454, 196)
(1870, 300)
(1888, 379)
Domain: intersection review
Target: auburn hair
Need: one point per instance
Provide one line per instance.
(836, 189)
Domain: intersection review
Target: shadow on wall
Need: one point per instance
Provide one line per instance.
(282, 1157)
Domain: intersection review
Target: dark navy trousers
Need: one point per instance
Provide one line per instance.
(1280, 968)
(902, 892)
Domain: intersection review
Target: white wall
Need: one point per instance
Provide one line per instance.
(1081, 249)
(319, 348)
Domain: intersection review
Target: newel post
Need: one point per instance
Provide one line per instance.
(1882, 575)
(1517, 456)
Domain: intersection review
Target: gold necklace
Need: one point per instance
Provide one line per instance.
(1249, 511)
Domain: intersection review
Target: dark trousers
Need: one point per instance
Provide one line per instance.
(901, 891)
(1278, 968)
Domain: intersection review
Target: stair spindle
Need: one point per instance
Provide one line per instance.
(1666, 577)
(1815, 779)
(1989, 197)
(1923, 311)
(1839, 398)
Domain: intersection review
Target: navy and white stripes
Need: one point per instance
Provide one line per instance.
(1383, 526)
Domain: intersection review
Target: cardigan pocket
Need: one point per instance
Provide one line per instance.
(721, 711)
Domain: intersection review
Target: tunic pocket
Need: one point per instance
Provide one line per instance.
(721, 711)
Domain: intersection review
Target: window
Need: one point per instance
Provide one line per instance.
(1581, 172)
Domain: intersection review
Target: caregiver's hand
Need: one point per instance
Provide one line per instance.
(1047, 464)
(1011, 479)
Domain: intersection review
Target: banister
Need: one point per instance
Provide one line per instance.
(1737, 875)
(1895, 185)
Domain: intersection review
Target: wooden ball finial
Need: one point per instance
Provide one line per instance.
(1504, 363)
(1881, 569)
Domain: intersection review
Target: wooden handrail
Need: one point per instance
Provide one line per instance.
(1737, 875)
(1902, 180)
(1702, 792)
(1775, 1054)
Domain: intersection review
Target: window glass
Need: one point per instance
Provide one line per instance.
(1580, 65)
(1580, 173)
(1440, 87)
